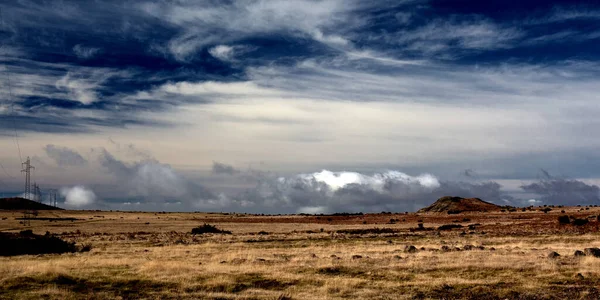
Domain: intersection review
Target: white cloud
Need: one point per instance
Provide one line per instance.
(206, 24)
(217, 89)
(84, 52)
(222, 52)
(337, 180)
(78, 196)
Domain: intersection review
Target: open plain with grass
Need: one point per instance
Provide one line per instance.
(147, 255)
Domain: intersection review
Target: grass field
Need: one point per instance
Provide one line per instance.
(136, 255)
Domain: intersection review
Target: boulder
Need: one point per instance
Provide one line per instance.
(410, 249)
(595, 252)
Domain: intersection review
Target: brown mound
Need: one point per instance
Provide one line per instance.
(455, 205)
(22, 203)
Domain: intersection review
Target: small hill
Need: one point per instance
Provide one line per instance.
(455, 205)
(17, 203)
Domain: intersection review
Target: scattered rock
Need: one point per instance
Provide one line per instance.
(481, 248)
(492, 249)
(356, 256)
(579, 253)
(333, 256)
(468, 247)
(390, 242)
(397, 257)
(553, 254)
(445, 248)
(313, 255)
(261, 260)
(579, 276)
(410, 249)
(595, 252)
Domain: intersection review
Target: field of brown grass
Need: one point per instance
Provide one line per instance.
(137, 255)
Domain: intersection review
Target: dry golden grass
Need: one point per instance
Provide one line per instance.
(306, 258)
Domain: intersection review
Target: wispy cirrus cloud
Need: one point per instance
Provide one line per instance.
(84, 52)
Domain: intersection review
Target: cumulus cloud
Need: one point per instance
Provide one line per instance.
(153, 181)
(64, 156)
(564, 191)
(328, 191)
(221, 168)
(78, 196)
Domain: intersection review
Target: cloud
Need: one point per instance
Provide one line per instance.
(328, 191)
(222, 52)
(221, 168)
(78, 196)
(78, 89)
(446, 36)
(469, 173)
(64, 156)
(153, 181)
(564, 191)
(204, 23)
(229, 53)
(83, 52)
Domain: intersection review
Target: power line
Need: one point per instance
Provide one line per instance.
(14, 119)
(5, 172)
(12, 104)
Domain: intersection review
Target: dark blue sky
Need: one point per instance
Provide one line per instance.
(505, 88)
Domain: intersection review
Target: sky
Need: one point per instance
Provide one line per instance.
(300, 106)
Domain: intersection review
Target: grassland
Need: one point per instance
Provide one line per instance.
(138, 255)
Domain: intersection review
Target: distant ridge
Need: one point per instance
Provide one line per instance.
(457, 205)
(18, 203)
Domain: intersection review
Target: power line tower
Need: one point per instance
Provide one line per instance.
(27, 167)
(37, 193)
(52, 196)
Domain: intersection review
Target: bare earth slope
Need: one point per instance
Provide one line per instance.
(22, 203)
(457, 204)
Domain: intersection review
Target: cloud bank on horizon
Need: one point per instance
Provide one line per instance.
(480, 95)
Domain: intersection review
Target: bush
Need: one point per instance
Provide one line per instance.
(546, 210)
(449, 226)
(207, 228)
(86, 248)
(564, 220)
(580, 222)
(28, 243)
